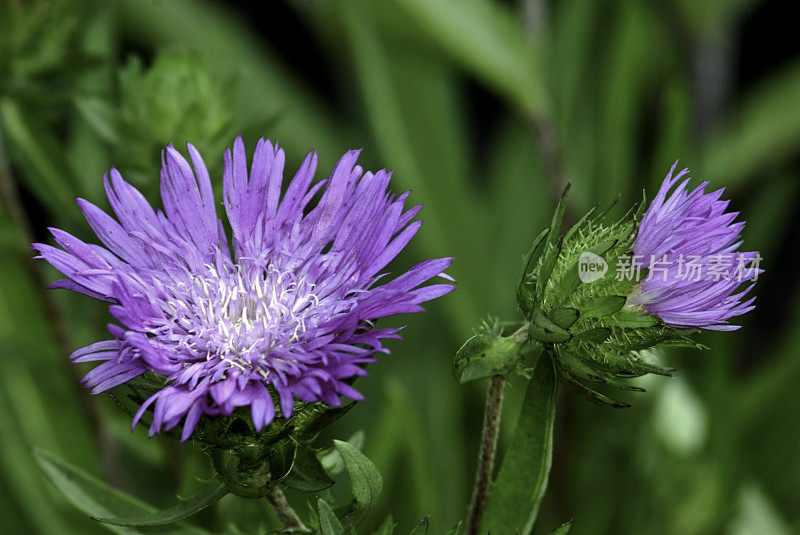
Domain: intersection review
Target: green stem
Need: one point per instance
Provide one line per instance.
(483, 476)
(283, 510)
(521, 482)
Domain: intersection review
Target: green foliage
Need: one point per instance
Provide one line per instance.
(365, 480)
(96, 498)
(587, 325)
(489, 352)
(613, 86)
(329, 524)
(517, 492)
(175, 100)
(205, 497)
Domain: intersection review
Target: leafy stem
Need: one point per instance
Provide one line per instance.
(483, 477)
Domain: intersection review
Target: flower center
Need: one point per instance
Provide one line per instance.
(239, 316)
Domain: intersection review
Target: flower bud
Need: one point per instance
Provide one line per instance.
(176, 99)
(489, 352)
(578, 307)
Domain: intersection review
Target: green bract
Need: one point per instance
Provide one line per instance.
(251, 462)
(580, 315)
(574, 298)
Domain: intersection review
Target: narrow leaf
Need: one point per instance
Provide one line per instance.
(517, 492)
(328, 523)
(421, 528)
(387, 528)
(94, 497)
(205, 497)
(100, 116)
(563, 529)
(364, 476)
(488, 40)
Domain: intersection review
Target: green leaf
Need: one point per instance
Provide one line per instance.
(211, 492)
(563, 529)
(332, 461)
(94, 497)
(763, 132)
(489, 41)
(374, 67)
(328, 523)
(365, 479)
(516, 494)
(100, 116)
(307, 472)
(421, 528)
(36, 151)
(387, 528)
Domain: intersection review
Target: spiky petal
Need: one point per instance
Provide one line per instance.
(690, 245)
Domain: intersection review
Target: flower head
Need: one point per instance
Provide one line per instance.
(599, 297)
(693, 243)
(284, 310)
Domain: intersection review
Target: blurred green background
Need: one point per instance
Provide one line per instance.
(484, 109)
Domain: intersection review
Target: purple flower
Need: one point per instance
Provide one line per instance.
(690, 245)
(286, 310)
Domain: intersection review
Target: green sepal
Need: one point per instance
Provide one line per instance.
(603, 306)
(641, 208)
(545, 330)
(581, 224)
(592, 395)
(548, 263)
(596, 335)
(571, 279)
(630, 320)
(591, 370)
(576, 367)
(251, 473)
(564, 317)
(527, 280)
(558, 217)
(630, 364)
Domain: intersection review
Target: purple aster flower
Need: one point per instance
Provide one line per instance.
(285, 310)
(690, 245)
